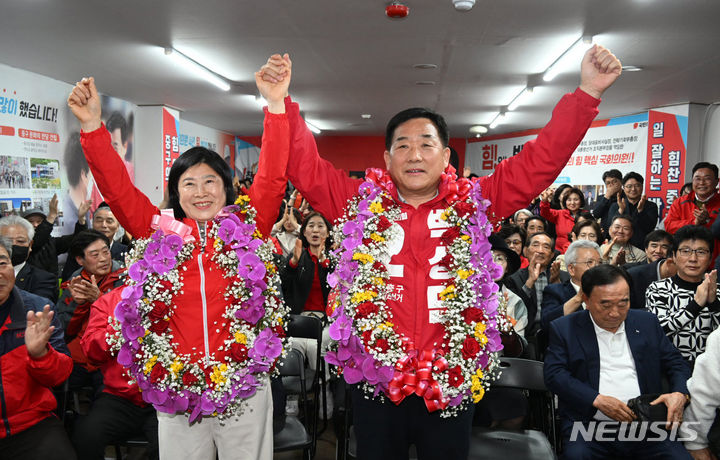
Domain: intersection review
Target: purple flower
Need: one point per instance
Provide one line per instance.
(226, 230)
(132, 331)
(352, 372)
(152, 251)
(162, 264)
(251, 267)
(171, 245)
(250, 312)
(125, 355)
(267, 345)
(375, 373)
(126, 312)
(341, 329)
(139, 271)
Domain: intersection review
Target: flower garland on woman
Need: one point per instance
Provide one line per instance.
(368, 347)
(199, 324)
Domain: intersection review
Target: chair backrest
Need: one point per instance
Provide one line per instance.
(292, 365)
(307, 327)
(521, 373)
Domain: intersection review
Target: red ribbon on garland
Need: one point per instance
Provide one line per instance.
(413, 374)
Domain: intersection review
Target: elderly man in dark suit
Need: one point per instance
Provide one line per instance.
(529, 283)
(600, 358)
(29, 278)
(566, 298)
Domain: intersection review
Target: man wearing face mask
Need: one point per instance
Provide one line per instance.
(27, 277)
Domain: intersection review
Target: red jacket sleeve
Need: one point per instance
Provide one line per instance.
(52, 369)
(675, 218)
(130, 206)
(327, 189)
(268, 188)
(549, 213)
(93, 342)
(519, 179)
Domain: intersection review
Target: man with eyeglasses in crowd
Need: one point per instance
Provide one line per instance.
(601, 209)
(699, 207)
(98, 274)
(687, 304)
(566, 298)
(634, 204)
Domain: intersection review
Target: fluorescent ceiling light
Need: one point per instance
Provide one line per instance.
(520, 98)
(198, 69)
(569, 58)
(478, 129)
(312, 127)
(497, 120)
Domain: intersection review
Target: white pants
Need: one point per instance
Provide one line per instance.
(247, 437)
(308, 347)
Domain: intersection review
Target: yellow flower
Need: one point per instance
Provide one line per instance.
(218, 376)
(478, 395)
(448, 293)
(377, 237)
(363, 296)
(176, 367)
(257, 234)
(480, 328)
(379, 281)
(149, 365)
(465, 237)
(482, 339)
(280, 320)
(240, 338)
(270, 267)
(217, 244)
(385, 325)
(463, 274)
(363, 258)
(376, 207)
(242, 199)
(444, 215)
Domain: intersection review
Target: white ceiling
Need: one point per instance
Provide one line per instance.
(349, 59)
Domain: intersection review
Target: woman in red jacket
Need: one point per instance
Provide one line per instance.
(564, 219)
(199, 325)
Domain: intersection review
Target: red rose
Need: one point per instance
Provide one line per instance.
(473, 314)
(367, 241)
(366, 336)
(447, 260)
(450, 235)
(366, 309)
(158, 373)
(278, 329)
(470, 348)
(455, 377)
(379, 266)
(158, 312)
(463, 208)
(387, 202)
(382, 345)
(189, 378)
(160, 327)
(383, 224)
(238, 352)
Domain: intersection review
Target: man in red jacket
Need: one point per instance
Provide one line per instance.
(417, 158)
(699, 207)
(33, 359)
(119, 413)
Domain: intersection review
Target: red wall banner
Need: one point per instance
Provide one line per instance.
(665, 171)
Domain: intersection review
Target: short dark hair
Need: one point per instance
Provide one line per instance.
(602, 275)
(510, 229)
(535, 217)
(74, 159)
(693, 232)
(633, 175)
(552, 240)
(117, 121)
(84, 239)
(622, 216)
(706, 165)
(589, 223)
(574, 191)
(190, 158)
(614, 173)
(659, 235)
(417, 112)
(305, 242)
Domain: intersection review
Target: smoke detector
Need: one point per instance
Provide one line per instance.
(463, 5)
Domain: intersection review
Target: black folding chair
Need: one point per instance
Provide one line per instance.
(531, 444)
(294, 435)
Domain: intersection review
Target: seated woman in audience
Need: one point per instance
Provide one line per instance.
(287, 229)
(204, 309)
(514, 237)
(564, 219)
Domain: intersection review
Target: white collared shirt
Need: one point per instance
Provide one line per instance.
(577, 289)
(618, 375)
(18, 268)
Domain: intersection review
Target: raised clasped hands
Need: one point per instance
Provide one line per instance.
(273, 81)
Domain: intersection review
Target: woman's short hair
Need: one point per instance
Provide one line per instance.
(187, 160)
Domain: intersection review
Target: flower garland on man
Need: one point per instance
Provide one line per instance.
(199, 325)
(419, 270)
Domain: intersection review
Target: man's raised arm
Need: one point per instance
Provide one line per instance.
(541, 160)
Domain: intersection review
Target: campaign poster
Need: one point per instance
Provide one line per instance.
(666, 155)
